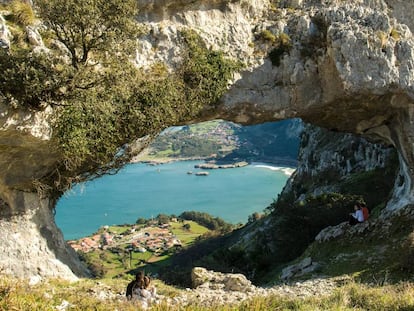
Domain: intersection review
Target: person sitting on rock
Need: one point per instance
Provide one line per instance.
(140, 290)
(134, 287)
(356, 217)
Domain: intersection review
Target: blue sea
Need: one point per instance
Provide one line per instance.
(140, 190)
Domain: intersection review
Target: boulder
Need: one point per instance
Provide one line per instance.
(301, 268)
(33, 36)
(200, 276)
(237, 282)
(203, 278)
(331, 232)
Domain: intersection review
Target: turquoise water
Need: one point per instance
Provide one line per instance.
(140, 190)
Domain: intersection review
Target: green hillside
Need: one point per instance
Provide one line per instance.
(275, 142)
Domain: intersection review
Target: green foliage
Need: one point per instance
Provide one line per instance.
(208, 221)
(141, 221)
(205, 72)
(267, 35)
(126, 104)
(101, 101)
(163, 219)
(291, 229)
(94, 264)
(90, 26)
(30, 79)
(315, 212)
(407, 254)
(22, 13)
(234, 259)
(375, 193)
(294, 226)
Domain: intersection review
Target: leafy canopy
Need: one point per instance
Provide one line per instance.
(89, 26)
(102, 102)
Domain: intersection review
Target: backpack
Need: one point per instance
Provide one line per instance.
(365, 212)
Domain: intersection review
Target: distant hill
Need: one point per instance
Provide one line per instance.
(274, 142)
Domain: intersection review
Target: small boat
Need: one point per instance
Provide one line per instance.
(190, 172)
(202, 174)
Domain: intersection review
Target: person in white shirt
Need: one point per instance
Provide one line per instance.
(356, 217)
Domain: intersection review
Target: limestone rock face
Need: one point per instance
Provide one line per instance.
(306, 265)
(31, 243)
(334, 156)
(5, 34)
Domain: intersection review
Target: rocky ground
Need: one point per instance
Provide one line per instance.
(212, 288)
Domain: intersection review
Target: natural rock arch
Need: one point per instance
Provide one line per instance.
(348, 67)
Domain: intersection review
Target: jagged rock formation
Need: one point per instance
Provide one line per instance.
(327, 157)
(339, 65)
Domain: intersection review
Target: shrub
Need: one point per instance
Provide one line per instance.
(266, 35)
(141, 221)
(383, 38)
(99, 112)
(30, 80)
(311, 216)
(407, 254)
(395, 34)
(206, 220)
(22, 13)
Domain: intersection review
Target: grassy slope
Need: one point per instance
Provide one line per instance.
(83, 295)
(370, 259)
(375, 255)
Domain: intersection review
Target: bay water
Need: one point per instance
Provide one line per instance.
(141, 190)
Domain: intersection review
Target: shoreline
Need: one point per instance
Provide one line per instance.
(286, 170)
(213, 164)
(124, 203)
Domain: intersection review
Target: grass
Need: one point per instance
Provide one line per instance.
(84, 295)
(375, 255)
(22, 13)
(120, 262)
(187, 237)
(118, 229)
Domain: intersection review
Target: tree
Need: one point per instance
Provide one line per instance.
(163, 219)
(254, 217)
(141, 221)
(89, 26)
(102, 102)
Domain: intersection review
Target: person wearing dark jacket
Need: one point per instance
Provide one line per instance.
(134, 287)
